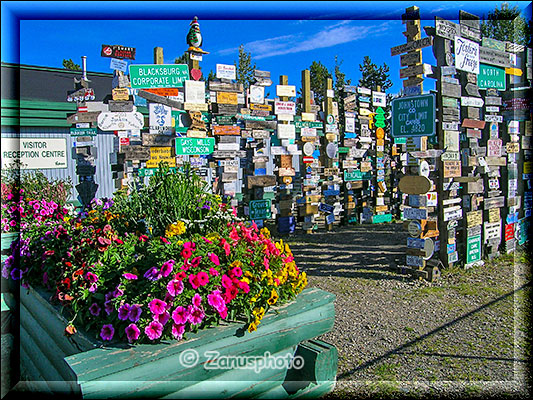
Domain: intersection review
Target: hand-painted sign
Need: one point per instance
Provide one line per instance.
(117, 121)
(285, 107)
(466, 55)
(285, 90)
(414, 184)
(414, 45)
(260, 209)
(413, 116)
(158, 75)
(160, 118)
(194, 146)
(116, 51)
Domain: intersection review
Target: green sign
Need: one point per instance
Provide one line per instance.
(524, 225)
(413, 116)
(380, 218)
(151, 171)
(491, 77)
(158, 75)
(473, 249)
(357, 176)
(400, 140)
(260, 209)
(194, 146)
(308, 124)
(82, 131)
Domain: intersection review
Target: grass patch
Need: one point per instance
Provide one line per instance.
(386, 371)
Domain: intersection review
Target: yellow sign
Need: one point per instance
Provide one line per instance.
(494, 215)
(380, 133)
(158, 154)
(120, 94)
(226, 98)
(513, 71)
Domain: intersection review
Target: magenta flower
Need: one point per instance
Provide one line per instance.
(132, 332)
(193, 280)
(175, 287)
(178, 330)
(202, 278)
(196, 315)
(134, 313)
(108, 307)
(226, 281)
(214, 259)
(167, 267)
(129, 276)
(180, 315)
(213, 271)
(237, 271)
(215, 300)
(95, 309)
(154, 330)
(244, 286)
(153, 274)
(196, 300)
(157, 306)
(123, 312)
(107, 332)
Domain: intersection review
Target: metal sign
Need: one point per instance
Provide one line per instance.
(260, 209)
(491, 77)
(413, 116)
(194, 146)
(158, 75)
(34, 153)
(117, 51)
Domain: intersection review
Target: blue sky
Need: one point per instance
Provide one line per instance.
(282, 37)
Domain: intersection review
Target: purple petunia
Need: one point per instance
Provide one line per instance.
(132, 332)
(167, 267)
(107, 332)
(123, 312)
(175, 287)
(129, 276)
(108, 307)
(95, 309)
(163, 318)
(134, 313)
(153, 274)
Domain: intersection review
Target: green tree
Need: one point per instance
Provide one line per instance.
(318, 73)
(183, 59)
(71, 65)
(507, 24)
(340, 79)
(373, 76)
(212, 76)
(245, 68)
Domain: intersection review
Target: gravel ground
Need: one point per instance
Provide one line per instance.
(465, 335)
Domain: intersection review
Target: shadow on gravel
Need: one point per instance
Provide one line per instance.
(351, 252)
(401, 349)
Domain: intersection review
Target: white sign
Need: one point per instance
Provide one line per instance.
(472, 101)
(195, 92)
(119, 121)
(379, 99)
(35, 153)
(118, 65)
(350, 124)
(257, 94)
(286, 131)
(226, 71)
(285, 90)
(284, 107)
(492, 230)
(466, 55)
(160, 118)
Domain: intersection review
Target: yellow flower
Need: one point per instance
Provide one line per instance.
(265, 232)
(236, 263)
(246, 280)
(273, 297)
(177, 228)
(252, 327)
(258, 312)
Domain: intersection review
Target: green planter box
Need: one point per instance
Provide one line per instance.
(82, 366)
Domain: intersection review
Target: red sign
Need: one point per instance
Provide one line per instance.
(124, 141)
(116, 51)
(509, 232)
(164, 91)
(308, 160)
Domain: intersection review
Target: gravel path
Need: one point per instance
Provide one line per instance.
(400, 337)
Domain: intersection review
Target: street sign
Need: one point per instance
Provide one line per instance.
(413, 116)
(491, 77)
(194, 146)
(158, 75)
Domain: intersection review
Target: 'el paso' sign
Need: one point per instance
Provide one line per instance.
(158, 75)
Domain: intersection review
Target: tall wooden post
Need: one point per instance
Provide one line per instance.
(306, 108)
(306, 91)
(158, 55)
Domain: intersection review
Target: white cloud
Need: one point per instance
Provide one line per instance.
(332, 35)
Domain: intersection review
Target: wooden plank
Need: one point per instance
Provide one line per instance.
(414, 45)
(225, 87)
(414, 184)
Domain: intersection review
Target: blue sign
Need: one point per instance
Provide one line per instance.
(327, 208)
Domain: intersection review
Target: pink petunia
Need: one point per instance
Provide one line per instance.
(196, 300)
(130, 277)
(244, 286)
(132, 332)
(193, 280)
(215, 300)
(196, 315)
(214, 259)
(180, 315)
(163, 318)
(237, 271)
(167, 267)
(154, 330)
(226, 281)
(178, 330)
(157, 306)
(202, 278)
(175, 287)
(213, 272)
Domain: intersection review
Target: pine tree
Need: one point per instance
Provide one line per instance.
(318, 73)
(183, 59)
(245, 68)
(71, 65)
(506, 24)
(373, 76)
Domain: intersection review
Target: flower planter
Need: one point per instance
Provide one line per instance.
(80, 365)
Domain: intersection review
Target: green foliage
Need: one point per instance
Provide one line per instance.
(245, 68)
(71, 65)
(183, 59)
(507, 24)
(319, 74)
(373, 76)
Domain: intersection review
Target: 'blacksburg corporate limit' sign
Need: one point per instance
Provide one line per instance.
(413, 116)
(158, 75)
